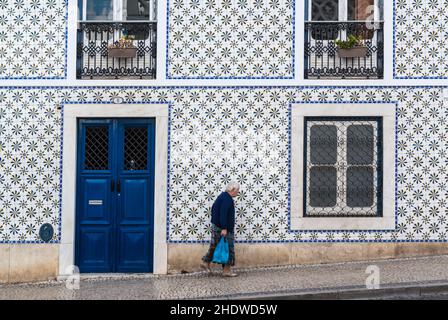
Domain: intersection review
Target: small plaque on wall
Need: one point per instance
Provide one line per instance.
(46, 232)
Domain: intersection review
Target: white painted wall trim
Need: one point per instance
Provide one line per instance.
(70, 115)
(387, 112)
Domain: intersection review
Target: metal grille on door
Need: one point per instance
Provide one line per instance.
(135, 148)
(97, 148)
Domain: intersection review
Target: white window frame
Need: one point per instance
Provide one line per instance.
(301, 18)
(301, 110)
(341, 172)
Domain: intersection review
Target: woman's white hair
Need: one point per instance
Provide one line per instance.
(232, 186)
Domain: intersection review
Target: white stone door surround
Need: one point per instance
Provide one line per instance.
(71, 113)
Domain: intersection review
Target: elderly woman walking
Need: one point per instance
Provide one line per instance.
(223, 223)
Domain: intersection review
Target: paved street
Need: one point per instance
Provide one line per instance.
(252, 283)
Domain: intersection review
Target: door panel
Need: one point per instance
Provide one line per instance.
(135, 260)
(115, 195)
(95, 208)
(134, 225)
(135, 200)
(96, 249)
(135, 197)
(96, 200)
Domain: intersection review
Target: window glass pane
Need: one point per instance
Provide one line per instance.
(137, 9)
(80, 9)
(322, 187)
(381, 8)
(96, 154)
(99, 10)
(360, 9)
(325, 10)
(360, 187)
(135, 148)
(360, 144)
(323, 144)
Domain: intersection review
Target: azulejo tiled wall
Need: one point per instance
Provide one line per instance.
(218, 135)
(420, 39)
(230, 39)
(32, 39)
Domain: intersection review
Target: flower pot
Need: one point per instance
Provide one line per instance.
(355, 52)
(122, 52)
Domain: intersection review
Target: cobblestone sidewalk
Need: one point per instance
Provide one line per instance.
(250, 283)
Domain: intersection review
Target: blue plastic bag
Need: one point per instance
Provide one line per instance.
(221, 254)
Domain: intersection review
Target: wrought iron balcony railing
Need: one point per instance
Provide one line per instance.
(324, 59)
(99, 57)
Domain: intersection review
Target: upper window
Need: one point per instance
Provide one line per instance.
(344, 39)
(117, 39)
(118, 10)
(345, 10)
(343, 167)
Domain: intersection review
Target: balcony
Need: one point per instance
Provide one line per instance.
(98, 55)
(325, 60)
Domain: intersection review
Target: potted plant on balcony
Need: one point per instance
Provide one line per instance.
(123, 48)
(351, 48)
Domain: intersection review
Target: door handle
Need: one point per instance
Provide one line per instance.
(118, 186)
(112, 185)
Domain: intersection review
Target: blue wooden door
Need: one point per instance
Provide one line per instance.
(115, 195)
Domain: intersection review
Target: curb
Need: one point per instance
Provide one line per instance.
(391, 291)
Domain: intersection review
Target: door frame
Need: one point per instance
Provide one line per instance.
(71, 113)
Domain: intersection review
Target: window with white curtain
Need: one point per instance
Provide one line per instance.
(117, 10)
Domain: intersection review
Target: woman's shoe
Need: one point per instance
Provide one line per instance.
(206, 266)
(227, 272)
